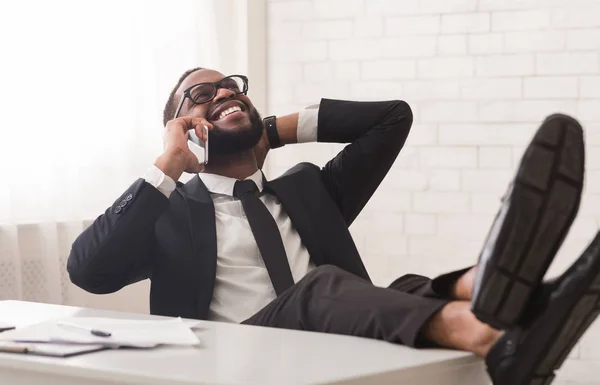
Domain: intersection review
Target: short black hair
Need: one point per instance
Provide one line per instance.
(171, 105)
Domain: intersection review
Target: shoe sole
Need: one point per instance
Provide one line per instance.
(556, 334)
(532, 223)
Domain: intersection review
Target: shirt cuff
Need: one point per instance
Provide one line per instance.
(158, 179)
(307, 126)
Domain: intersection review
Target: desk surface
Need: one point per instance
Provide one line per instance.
(239, 354)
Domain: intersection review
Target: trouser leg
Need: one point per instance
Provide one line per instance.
(331, 300)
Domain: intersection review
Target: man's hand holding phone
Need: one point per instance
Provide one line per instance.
(177, 156)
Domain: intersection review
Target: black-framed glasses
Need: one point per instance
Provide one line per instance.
(205, 92)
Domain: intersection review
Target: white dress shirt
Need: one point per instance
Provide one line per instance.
(242, 285)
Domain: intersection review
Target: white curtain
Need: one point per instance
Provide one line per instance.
(82, 89)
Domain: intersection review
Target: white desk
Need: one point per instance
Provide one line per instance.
(236, 354)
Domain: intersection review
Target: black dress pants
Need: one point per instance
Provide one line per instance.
(331, 300)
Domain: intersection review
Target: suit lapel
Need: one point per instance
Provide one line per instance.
(203, 230)
(286, 189)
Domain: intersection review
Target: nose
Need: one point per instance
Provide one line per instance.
(223, 94)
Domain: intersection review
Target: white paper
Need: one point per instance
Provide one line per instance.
(127, 333)
(5, 326)
(49, 349)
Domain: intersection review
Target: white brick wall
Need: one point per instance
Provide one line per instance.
(480, 75)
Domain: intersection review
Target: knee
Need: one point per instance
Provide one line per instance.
(325, 271)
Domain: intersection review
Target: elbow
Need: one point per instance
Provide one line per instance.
(403, 111)
(82, 275)
(400, 118)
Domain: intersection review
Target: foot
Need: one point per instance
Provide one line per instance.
(536, 215)
(557, 318)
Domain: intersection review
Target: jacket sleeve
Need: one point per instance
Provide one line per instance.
(117, 249)
(376, 132)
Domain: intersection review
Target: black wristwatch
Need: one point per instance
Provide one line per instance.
(272, 133)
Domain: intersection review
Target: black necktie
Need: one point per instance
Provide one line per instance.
(266, 233)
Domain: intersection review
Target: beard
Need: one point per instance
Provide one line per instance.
(227, 141)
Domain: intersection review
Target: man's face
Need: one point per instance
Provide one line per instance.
(232, 132)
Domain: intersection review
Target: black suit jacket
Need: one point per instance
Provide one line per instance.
(173, 241)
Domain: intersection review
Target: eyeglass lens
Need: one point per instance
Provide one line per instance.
(204, 92)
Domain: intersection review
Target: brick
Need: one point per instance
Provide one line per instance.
(323, 30)
(581, 39)
(524, 111)
(473, 227)
(534, 41)
(551, 88)
(410, 46)
(576, 17)
(422, 134)
(412, 25)
(505, 65)
(388, 201)
(281, 94)
(505, 5)
(529, 20)
(379, 247)
(589, 109)
(442, 253)
(298, 52)
(593, 158)
(346, 70)
(452, 45)
(486, 180)
(431, 90)
(592, 136)
(284, 31)
(375, 90)
(448, 157)
(389, 69)
(486, 203)
(419, 224)
(480, 134)
(495, 157)
(406, 180)
(466, 23)
(355, 49)
(488, 43)
(592, 184)
(450, 67)
(318, 72)
(440, 202)
(337, 9)
(391, 7)
(571, 63)
(290, 10)
(485, 89)
(444, 180)
(368, 27)
(447, 6)
(517, 154)
(590, 87)
(450, 111)
(308, 94)
(284, 74)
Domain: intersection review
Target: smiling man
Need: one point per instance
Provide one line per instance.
(231, 246)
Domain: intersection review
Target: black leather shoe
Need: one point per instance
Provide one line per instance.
(532, 223)
(559, 315)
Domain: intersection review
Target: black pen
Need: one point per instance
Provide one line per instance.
(96, 332)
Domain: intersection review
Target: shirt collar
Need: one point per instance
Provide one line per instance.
(219, 184)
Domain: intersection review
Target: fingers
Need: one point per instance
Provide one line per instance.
(195, 168)
(186, 123)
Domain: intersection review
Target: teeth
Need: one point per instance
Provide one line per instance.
(229, 111)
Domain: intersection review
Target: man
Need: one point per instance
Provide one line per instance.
(231, 246)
